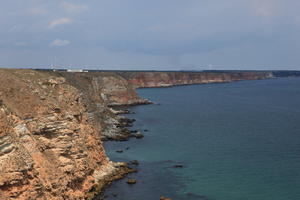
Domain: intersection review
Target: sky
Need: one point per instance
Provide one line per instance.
(150, 34)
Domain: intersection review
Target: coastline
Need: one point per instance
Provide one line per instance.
(116, 171)
(139, 148)
(130, 166)
(57, 135)
(124, 109)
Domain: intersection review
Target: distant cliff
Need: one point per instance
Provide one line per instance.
(52, 124)
(166, 79)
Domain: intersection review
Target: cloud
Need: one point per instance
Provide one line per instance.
(73, 8)
(266, 8)
(59, 43)
(59, 22)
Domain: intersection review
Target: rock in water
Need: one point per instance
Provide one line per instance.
(134, 162)
(164, 198)
(139, 135)
(131, 181)
(178, 166)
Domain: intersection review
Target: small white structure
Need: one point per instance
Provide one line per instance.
(76, 70)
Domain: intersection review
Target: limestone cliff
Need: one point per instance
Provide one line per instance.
(49, 148)
(165, 79)
(105, 87)
(102, 90)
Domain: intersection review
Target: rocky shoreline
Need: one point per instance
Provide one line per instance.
(118, 171)
(52, 125)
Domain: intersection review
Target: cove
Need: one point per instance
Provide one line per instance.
(235, 141)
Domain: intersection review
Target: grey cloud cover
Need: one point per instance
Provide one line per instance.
(157, 34)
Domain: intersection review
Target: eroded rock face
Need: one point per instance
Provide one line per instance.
(102, 90)
(48, 147)
(167, 79)
(107, 87)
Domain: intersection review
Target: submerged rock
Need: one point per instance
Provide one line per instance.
(178, 166)
(164, 198)
(131, 181)
(134, 162)
(114, 195)
(138, 135)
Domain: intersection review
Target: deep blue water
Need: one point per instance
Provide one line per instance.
(237, 141)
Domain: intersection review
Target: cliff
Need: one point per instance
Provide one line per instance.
(52, 124)
(49, 146)
(101, 91)
(166, 79)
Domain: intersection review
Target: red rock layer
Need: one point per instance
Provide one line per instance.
(165, 79)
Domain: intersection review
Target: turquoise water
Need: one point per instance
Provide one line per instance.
(236, 141)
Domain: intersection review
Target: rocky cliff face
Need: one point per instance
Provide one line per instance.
(101, 91)
(52, 124)
(166, 79)
(49, 148)
(105, 87)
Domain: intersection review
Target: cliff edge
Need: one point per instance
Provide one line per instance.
(144, 79)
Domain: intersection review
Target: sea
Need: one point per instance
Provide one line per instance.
(229, 141)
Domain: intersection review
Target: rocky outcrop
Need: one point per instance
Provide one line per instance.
(105, 87)
(101, 91)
